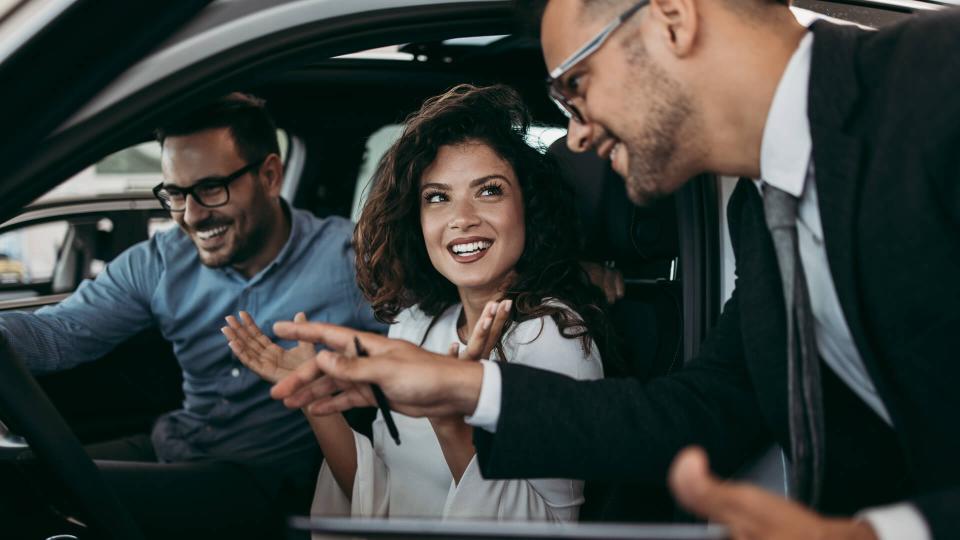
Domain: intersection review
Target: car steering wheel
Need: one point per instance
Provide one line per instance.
(27, 407)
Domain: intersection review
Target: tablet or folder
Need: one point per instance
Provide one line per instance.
(404, 528)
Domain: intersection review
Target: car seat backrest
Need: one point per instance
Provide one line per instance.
(617, 228)
(642, 242)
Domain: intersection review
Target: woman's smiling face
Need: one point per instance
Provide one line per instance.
(471, 213)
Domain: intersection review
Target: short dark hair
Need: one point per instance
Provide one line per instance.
(253, 130)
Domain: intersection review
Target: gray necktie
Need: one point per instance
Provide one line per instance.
(803, 362)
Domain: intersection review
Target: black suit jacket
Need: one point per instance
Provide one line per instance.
(884, 112)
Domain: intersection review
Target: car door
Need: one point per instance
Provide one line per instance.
(54, 55)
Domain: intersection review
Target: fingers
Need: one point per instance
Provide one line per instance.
(338, 338)
(250, 326)
(305, 373)
(619, 285)
(610, 294)
(500, 318)
(454, 349)
(245, 349)
(308, 387)
(607, 278)
(486, 332)
(697, 489)
(301, 317)
(359, 396)
(245, 334)
(314, 390)
(237, 346)
(481, 330)
(748, 511)
(336, 365)
(613, 286)
(690, 478)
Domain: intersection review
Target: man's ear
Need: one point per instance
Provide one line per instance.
(677, 22)
(272, 172)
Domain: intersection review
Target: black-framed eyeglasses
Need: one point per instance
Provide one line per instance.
(561, 91)
(210, 192)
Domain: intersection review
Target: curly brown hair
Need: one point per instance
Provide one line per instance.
(393, 268)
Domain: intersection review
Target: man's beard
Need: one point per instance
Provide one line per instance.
(249, 245)
(245, 246)
(652, 148)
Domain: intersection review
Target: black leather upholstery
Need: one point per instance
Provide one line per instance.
(642, 242)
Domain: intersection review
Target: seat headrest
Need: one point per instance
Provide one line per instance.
(614, 227)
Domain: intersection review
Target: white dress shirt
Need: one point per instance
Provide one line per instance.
(785, 163)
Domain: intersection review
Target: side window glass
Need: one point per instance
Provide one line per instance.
(132, 170)
(377, 146)
(28, 255)
(159, 224)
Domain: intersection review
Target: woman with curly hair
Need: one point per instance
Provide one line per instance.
(467, 232)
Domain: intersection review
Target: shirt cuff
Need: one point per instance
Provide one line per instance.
(487, 413)
(901, 520)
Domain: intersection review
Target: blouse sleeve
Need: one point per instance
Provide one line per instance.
(371, 484)
(371, 487)
(535, 343)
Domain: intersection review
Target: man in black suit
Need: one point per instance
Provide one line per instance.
(840, 341)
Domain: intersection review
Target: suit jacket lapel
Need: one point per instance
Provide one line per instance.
(832, 105)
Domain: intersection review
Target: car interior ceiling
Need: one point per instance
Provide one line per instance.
(333, 107)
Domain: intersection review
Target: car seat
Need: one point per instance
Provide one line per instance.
(642, 243)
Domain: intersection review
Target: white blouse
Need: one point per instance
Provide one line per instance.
(413, 479)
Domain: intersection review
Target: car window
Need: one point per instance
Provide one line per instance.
(53, 256)
(159, 224)
(132, 170)
(29, 254)
(538, 136)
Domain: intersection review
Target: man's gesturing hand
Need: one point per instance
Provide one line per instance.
(750, 512)
(415, 381)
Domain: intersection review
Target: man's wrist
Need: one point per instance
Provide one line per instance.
(466, 380)
(850, 529)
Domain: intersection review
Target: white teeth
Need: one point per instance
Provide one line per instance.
(470, 247)
(210, 233)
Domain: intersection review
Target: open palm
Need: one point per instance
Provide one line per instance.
(264, 357)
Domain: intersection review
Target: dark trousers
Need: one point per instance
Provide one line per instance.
(207, 499)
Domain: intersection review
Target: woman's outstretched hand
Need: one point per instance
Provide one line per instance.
(264, 357)
(485, 333)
